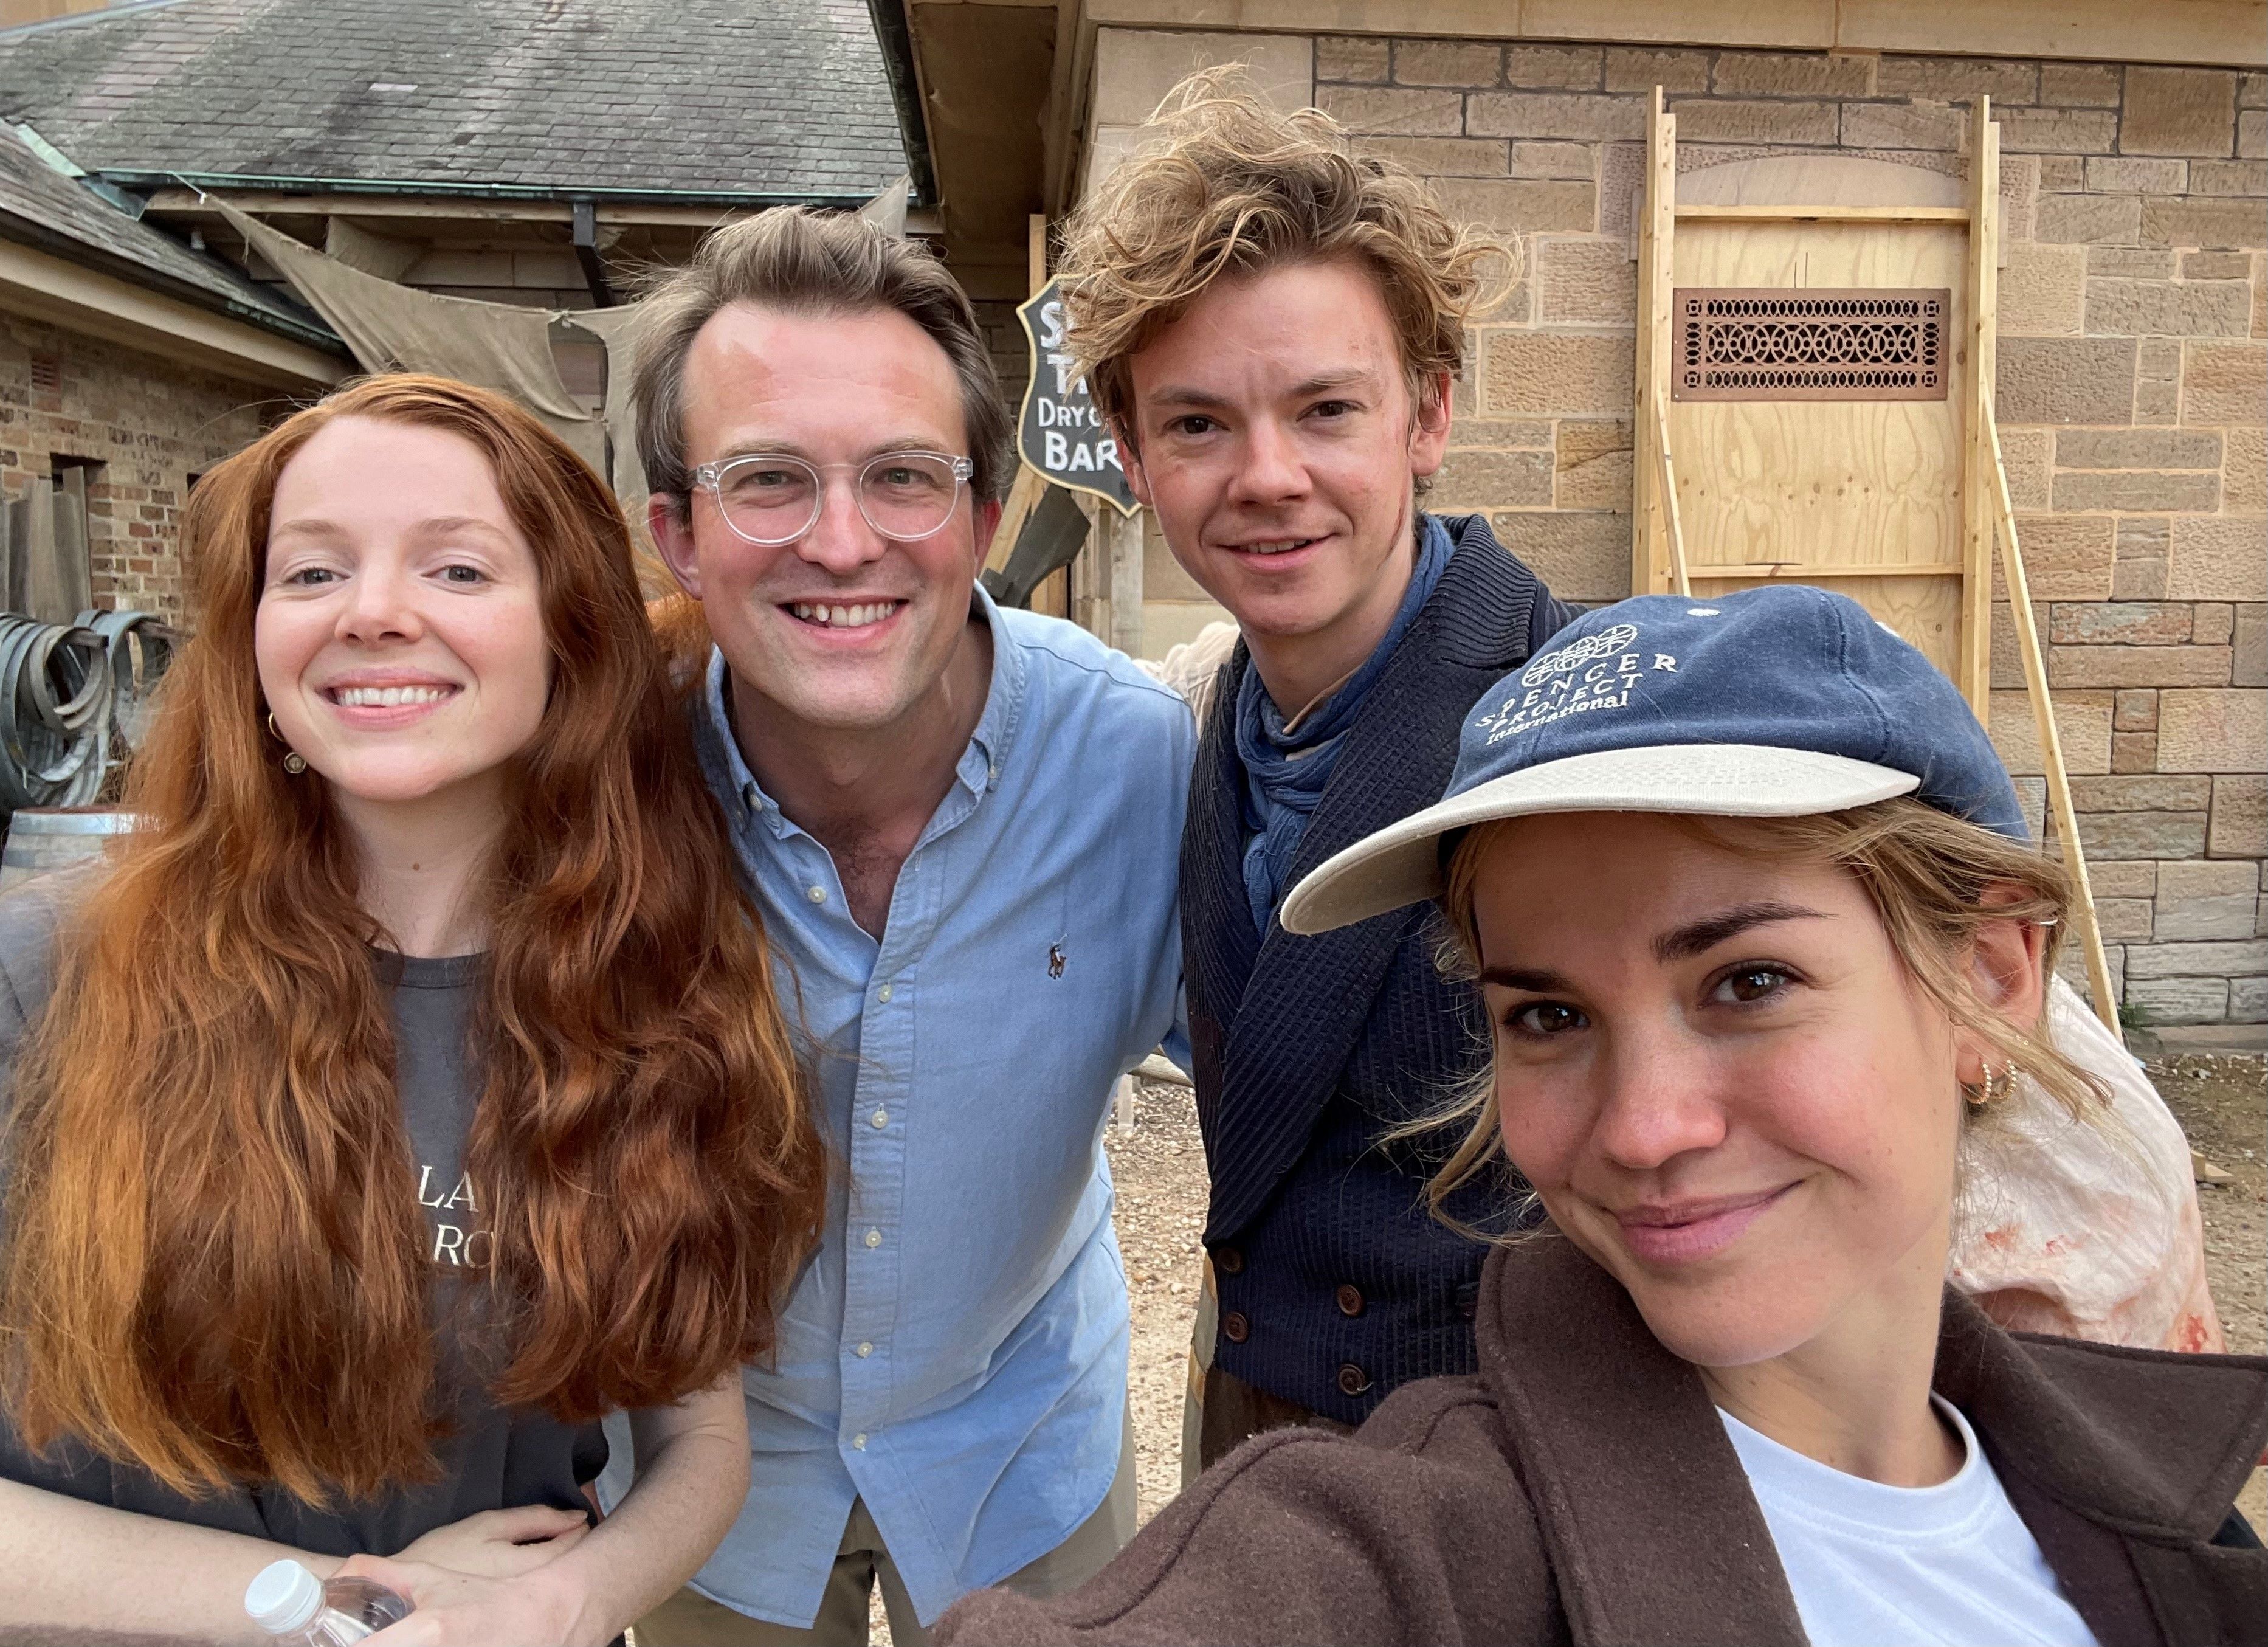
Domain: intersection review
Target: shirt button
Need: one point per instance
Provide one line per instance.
(992, 772)
(1234, 1327)
(858, 1442)
(1228, 1260)
(1350, 1299)
(873, 1237)
(1352, 1380)
(817, 895)
(881, 1118)
(883, 994)
(864, 1350)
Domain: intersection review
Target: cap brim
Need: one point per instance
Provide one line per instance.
(1400, 864)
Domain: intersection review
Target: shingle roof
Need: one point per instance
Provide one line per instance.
(41, 207)
(782, 96)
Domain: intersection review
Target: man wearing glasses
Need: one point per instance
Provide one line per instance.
(962, 826)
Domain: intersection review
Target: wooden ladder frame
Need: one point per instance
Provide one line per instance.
(1658, 563)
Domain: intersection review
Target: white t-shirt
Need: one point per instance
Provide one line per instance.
(1877, 1566)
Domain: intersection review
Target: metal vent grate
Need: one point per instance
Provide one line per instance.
(1770, 343)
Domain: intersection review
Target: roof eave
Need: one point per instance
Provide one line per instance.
(142, 179)
(42, 237)
(896, 39)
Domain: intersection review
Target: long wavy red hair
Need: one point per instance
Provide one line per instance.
(216, 1264)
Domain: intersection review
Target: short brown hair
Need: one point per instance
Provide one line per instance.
(807, 262)
(1234, 186)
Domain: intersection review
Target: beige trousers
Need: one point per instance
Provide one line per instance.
(689, 1619)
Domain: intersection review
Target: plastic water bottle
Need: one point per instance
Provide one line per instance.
(296, 1607)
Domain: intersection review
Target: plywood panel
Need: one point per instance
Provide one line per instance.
(1924, 610)
(1822, 484)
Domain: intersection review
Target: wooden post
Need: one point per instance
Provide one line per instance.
(1980, 457)
(1053, 597)
(1680, 579)
(1023, 497)
(1125, 579)
(44, 597)
(2035, 681)
(1653, 502)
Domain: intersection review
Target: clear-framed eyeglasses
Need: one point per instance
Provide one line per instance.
(769, 497)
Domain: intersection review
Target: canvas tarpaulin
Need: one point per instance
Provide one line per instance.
(499, 346)
(617, 329)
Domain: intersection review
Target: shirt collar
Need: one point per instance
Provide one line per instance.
(989, 746)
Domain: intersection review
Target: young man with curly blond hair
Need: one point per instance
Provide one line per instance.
(1270, 322)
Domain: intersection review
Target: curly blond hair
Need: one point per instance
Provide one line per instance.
(1231, 185)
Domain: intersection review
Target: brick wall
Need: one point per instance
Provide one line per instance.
(150, 423)
(2133, 392)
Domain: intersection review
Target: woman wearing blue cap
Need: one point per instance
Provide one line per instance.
(1751, 901)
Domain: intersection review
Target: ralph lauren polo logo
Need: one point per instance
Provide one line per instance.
(1055, 960)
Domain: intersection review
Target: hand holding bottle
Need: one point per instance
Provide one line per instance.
(300, 1610)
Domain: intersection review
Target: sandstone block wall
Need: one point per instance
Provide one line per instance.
(148, 423)
(2134, 398)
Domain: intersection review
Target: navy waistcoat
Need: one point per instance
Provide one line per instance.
(1337, 1284)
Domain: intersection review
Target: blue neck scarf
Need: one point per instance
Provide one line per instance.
(1285, 772)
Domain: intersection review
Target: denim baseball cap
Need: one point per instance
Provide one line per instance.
(1777, 702)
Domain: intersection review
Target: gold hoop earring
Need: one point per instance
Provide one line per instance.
(294, 762)
(1996, 1085)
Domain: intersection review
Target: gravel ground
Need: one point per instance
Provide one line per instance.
(1161, 1174)
(2222, 1104)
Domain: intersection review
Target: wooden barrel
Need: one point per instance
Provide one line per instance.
(40, 839)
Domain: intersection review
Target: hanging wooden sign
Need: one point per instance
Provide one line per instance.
(1060, 432)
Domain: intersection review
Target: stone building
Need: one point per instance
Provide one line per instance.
(2132, 336)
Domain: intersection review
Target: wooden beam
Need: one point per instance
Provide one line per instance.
(1823, 214)
(1023, 497)
(99, 305)
(1981, 451)
(1806, 571)
(2035, 683)
(1052, 598)
(1657, 226)
(1680, 579)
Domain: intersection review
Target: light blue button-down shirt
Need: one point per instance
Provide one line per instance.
(956, 1353)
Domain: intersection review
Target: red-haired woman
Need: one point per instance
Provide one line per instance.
(408, 1092)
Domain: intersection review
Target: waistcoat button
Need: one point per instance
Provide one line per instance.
(1349, 1298)
(1234, 1327)
(1228, 1260)
(1352, 1380)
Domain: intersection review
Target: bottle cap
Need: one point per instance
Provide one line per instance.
(282, 1597)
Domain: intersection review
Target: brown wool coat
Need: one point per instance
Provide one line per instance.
(1580, 1489)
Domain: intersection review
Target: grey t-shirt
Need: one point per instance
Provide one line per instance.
(496, 1458)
